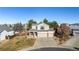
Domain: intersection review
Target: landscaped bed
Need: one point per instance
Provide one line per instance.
(17, 43)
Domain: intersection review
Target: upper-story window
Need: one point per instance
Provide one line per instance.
(42, 27)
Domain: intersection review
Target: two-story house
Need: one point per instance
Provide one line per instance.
(41, 30)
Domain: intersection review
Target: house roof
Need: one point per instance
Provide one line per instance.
(33, 30)
(77, 24)
(39, 24)
(2, 28)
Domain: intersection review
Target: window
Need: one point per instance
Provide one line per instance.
(42, 27)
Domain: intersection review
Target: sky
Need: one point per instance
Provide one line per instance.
(11, 15)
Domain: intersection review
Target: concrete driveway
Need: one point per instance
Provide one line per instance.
(51, 42)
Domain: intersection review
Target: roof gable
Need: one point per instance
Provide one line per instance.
(43, 24)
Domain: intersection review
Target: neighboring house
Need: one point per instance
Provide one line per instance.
(75, 28)
(41, 30)
(5, 31)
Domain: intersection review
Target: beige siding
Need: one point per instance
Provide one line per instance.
(33, 27)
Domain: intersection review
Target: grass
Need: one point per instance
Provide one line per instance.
(17, 43)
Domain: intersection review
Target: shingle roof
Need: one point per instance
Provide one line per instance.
(2, 28)
(75, 24)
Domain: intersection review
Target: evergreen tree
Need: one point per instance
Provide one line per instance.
(30, 22)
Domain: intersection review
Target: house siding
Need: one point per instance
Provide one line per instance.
(3, 35)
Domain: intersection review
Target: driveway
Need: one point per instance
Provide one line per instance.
(50, 42)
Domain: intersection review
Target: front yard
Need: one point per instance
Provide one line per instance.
(17, 43)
